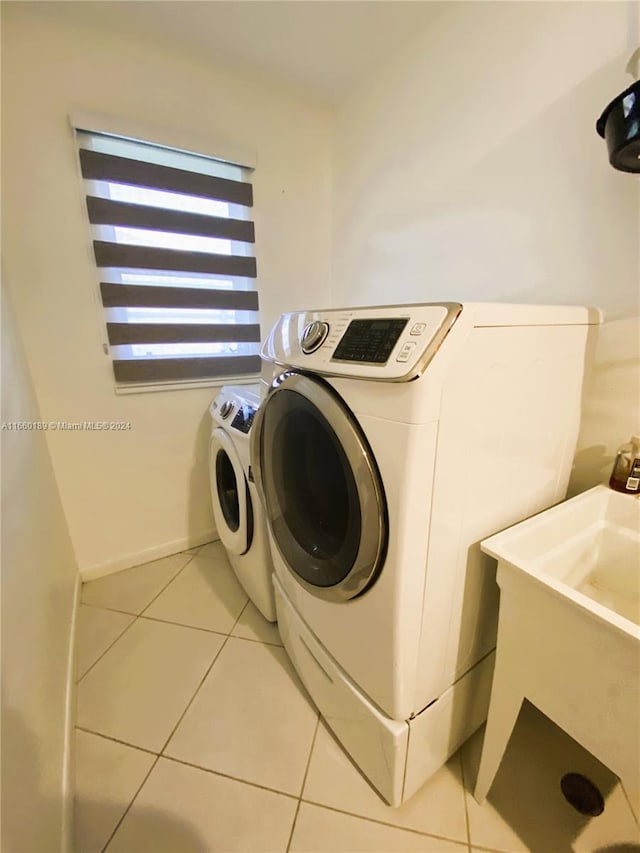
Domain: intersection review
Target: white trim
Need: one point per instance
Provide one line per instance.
(99, 570)
(171, 137)
(68, 753)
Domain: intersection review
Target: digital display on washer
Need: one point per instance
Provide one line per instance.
(369, 340)
(243, 419)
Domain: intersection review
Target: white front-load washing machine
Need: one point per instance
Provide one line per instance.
(390, 442)
(237, 510)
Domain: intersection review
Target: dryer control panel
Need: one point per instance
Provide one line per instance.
(392, 343)
(235, 407)
(244, 418)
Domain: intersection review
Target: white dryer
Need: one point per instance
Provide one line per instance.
(237, 510)
(390, 442)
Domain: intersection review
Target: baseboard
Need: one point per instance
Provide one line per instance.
(68, 765)
(99, 570)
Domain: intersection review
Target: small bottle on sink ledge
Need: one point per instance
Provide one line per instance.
(625, 476)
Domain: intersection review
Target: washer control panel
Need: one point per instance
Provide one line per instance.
(386, 343)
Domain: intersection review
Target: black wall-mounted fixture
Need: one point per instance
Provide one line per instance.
(619, 125)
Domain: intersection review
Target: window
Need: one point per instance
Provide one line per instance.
(173, 243)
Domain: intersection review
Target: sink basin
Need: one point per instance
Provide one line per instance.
(568, 630)
(586, 549)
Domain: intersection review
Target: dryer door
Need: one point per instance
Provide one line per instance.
(229, 494)
(321, 488)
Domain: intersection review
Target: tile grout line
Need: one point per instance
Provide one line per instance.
(128, 808)
(109, 647)
(293, 826)
(141, 615)
(228, 776)
(146, 606)
(483, 849)
(213, 630)
(104, 607)
(168, 584)
(254, 640)
(183, 625)
(135, 616)
(157, 756)
(116, 740)
(239, 616)
(197, 690)
(140, 566)
(129, 612)
(189, 764)
(379, 822)
(300, 799)
(466, 807)
(304, 781)
(627, 797)
(313, 743)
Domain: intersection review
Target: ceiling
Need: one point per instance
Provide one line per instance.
(321, 48)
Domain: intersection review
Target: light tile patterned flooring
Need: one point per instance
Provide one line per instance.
(195, 734)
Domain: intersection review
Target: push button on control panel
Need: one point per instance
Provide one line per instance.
(418, 328)
(406, 351)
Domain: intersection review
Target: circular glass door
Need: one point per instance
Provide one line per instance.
(229, 494)
(227, 487)
(322, 491)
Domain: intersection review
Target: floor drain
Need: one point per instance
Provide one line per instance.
(582, 794)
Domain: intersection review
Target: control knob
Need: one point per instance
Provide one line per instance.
(313, 336)
(225, 409)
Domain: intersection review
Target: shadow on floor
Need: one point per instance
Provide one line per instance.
(144, 830)
(526, 792)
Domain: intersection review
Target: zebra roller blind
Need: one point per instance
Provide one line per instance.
(173, 242)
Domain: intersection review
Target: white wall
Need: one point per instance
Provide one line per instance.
(38, 584)
(133, 495)
(611, 408)
(470, 169)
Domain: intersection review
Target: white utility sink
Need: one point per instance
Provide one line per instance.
(569, 635)
(586, 549)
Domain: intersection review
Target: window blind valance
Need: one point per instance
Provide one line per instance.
(173, 242)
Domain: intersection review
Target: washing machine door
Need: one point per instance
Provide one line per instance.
(229, 494)
(321, 488)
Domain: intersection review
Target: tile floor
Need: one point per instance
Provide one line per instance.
(195, 734)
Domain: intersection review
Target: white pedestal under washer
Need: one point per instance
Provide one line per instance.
(390, 442)
(237, 510)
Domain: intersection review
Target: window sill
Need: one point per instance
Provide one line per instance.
(149, 387)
